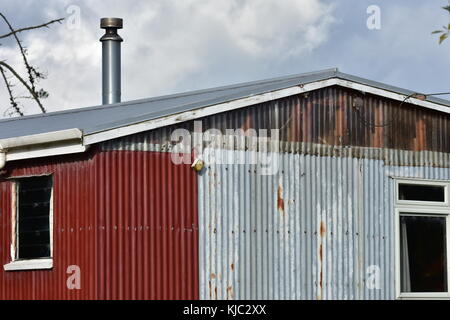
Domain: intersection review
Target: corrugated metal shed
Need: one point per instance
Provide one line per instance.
(141, 227)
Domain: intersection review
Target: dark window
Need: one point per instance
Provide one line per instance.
(420, 192)
(33, 209)
(423, 254)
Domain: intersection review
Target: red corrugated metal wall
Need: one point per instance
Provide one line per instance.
(128, 219)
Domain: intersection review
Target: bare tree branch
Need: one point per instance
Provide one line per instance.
(11, 96)
(33, 93)
(44, 25)
(30, 70)
(33, 74)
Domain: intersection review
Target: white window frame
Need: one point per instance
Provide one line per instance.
(421, 182)
(421, 208)
(27, 264)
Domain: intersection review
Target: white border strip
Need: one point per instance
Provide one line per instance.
(42, 145)
(41, 138)
(43, 152)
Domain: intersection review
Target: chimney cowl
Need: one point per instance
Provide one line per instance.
(111, 25)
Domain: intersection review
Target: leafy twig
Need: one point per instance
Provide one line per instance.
(445, 31)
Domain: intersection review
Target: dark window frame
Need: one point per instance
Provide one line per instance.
(15, 207)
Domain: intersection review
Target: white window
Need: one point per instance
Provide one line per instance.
(32, 224)
(422, 232)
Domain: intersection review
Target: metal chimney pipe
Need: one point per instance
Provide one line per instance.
(111, 60)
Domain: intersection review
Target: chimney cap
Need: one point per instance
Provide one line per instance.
(111, 23)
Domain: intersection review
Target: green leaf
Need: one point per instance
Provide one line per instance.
(446, 8)
(443, 37)
(437, 31)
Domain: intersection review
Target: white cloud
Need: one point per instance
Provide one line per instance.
(172, 45)
(272, 28)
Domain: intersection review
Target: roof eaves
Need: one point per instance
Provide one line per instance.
(387, 87)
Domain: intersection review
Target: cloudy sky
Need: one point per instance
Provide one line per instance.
(180, 45)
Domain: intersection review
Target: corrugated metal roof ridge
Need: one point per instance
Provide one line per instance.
(330, 72)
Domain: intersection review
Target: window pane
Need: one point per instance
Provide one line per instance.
(423, 257)
(33, 217)
(421, 192)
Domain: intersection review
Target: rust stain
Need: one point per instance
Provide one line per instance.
(247, 124)
(322, 234)
(229, 292)
(215, 291)
(280, 200)
(213, 275)
(321, 271)
(232, 266)
(320, 253)
(378, 130)
(419, 142)
(322, 229)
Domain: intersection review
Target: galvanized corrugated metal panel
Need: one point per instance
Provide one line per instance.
(309, 232)
(127, 219)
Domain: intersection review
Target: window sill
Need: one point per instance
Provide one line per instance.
(424, 296)
(34, 264)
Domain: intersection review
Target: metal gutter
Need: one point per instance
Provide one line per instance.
(41, 145)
